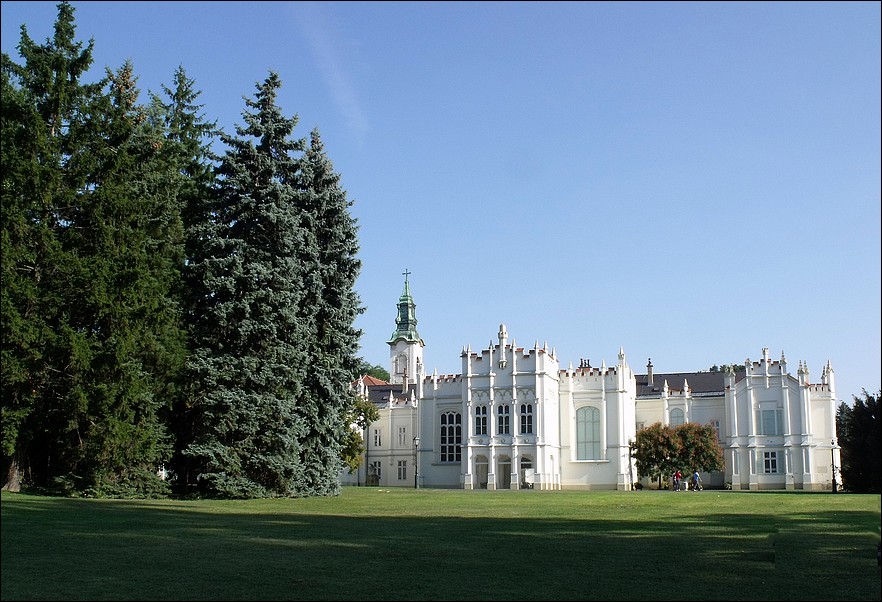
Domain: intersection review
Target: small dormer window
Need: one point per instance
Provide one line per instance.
(502, 364)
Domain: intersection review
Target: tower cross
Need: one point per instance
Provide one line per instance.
(406, 273)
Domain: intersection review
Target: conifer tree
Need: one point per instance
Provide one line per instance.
(860, 435)
(43, 102)
(188, 142)
(250, 341)
(333, 306)
(99, 234)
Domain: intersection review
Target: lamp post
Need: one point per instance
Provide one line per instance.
(833, 461)
(416, 462)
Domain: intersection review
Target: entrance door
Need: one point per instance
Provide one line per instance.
(482, 468)
(503, 473)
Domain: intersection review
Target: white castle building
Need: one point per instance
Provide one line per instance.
(513, 418)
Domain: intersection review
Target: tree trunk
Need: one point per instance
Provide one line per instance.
(12, 482)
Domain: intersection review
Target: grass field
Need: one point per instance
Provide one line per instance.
(407, 544)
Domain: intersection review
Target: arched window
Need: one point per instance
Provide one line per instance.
(451, 437)
(677, 417)
(481, 420)
(526, 418)
(502, 424)
(588, 433)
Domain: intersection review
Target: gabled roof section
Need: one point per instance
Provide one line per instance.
(370, 381)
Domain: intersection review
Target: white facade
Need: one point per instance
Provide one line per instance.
(513, 418)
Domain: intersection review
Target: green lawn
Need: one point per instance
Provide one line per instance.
(407, 544)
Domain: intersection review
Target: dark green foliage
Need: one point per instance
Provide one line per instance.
(331, 308)
(43, 104)
(727, 367)
(361, 414)
(188, 144)
(94, 244)
(162, 307)
(250, 341)
(860, 436)
(377, 371)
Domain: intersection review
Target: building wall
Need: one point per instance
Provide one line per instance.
(769, 419)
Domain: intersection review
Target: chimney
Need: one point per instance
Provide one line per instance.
(649, 372)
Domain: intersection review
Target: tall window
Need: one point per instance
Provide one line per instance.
(770, 462)
(481, 420)
(375, 468)
(502, 424)
(402, 435)
(378, 441)
(716, 425)
(588, 434)
(526, 418)
(677, 417)
(770, 420)
(451, 437)
(402, 470)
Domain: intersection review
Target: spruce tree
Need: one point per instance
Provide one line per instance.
(98, 239)
(333, 306)
(189, 136)
(43, 103)
(250, 341)
(128, 234)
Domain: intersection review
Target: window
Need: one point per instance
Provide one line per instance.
(481, 420)
(402, 436)
(402, 470)
(526, 418)
(502, 424)
(375, 469)
(378, 441)
(770, 421)
(451, 437)
(770, 462)
(677, 417)
(716, 425)
(588, 434)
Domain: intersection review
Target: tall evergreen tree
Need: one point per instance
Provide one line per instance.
(859, 429)
(250, 341)
(100, 202)
(188, 143)
(43, 102)
(333, 306)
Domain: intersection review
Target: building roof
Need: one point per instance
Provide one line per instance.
(370, 381)
(701, 384)
(379, 394)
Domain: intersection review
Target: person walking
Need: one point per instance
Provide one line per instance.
(678, 477)
(696, 481)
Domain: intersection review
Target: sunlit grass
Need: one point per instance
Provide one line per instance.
(406, 544)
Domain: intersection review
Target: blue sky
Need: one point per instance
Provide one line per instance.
(691, 182)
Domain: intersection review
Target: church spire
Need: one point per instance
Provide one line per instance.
(405, 323)
(405, 345)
